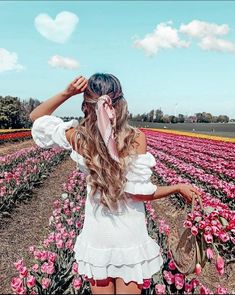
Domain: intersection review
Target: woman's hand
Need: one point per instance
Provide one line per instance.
(186, 190)
(77, 86)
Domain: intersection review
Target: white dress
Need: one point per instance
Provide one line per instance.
(109, 245)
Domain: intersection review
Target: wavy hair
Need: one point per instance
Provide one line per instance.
(106, 175)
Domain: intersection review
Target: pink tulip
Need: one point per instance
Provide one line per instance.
(31, 281)
(56, 204)
(163, 227)
(46, 242)
(160, 289)
(179, 281)
(204, 291)
(16, 283)
(194, 230)
(209, 253)
(23, 272)
(188, 287)
(59, 226)
(35, 267)
(77, 283)
(202, 224)
(59, 244)
(146, 283)
(169, 277)
(220, 265)
(169, 254)
(198, 269)
(52, 256)
(48, 268)
(19, 264)
(75, 268)
(72, 234)
(78, 224)
(70, 221)
(215, 230)
(208, 238)
(187, 223)
(44, 255)
(37, 254)
(194, 283)
(45, 283)
(223, 236)
(21, 290)
(221, 290)
(69, 244)
(85, 278)
(171, 265)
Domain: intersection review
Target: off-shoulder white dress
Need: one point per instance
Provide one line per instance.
(109, 245)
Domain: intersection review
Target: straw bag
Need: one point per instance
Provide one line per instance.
(186, 249)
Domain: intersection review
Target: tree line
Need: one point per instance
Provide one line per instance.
(14, 113)
(159, 117)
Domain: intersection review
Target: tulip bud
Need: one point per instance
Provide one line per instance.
(198, 269)
(220, 264)
(209, 253)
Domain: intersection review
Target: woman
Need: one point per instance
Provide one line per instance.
(114, 250)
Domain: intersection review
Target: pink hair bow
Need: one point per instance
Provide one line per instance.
(106, 119)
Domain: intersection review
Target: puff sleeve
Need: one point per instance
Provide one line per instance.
(138, 175)
(49, 131)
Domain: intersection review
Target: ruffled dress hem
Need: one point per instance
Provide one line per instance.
(130, 263)
(137, 272)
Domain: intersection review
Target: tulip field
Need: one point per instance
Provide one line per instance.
(205, 163)
(13, 135)
(23, 170)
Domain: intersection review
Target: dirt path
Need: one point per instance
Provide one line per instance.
(29, 224)
(11, 147)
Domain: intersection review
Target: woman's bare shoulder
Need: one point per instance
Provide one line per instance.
(141, 143)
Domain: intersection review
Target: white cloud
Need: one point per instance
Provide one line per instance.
(58, 30)
(9, 61)
(208, 34)
(211, 43)
(200, 29)
(163, 37)
(57, 61)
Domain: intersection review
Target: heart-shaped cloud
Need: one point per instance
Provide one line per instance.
(58, 30)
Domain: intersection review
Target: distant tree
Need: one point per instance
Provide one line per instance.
(214, 119)
(150, 115)
(173, 119)
(206, 117)
(199, 117)
(223, 119)
(138, 117)
(191, 119)
(145, 118)
(181, 118)
(159, 116)
(27, 107)
(166, 119)
(10, 112)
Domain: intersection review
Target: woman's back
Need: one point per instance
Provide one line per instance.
(112, 243)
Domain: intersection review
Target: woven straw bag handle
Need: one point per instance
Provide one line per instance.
(194, 196)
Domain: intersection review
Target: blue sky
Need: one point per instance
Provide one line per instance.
(175, 55)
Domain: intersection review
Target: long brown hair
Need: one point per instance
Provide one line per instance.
(106, 175)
